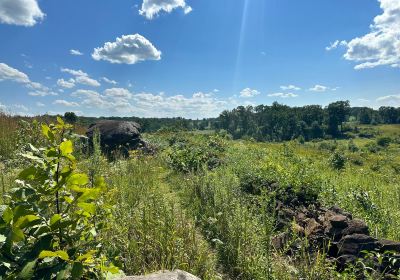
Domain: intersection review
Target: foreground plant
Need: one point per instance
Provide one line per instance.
(49, 228)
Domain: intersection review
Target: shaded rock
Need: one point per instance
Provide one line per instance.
(312, 227)
(388, 245)
(344, 260)
(355, 243)
(356, 226)
(279, 241)
(122, 135)
(164, 275)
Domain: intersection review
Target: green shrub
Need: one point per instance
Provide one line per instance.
(185, 156)
(337, 161)
(383, 141)
(50, 224)
(352, 146)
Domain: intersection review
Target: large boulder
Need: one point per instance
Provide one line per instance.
(121, 135)
(164, 275)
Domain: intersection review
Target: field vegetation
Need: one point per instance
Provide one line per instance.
(204, 202)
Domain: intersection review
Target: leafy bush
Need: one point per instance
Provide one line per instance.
(372, 147)
(49, 227)
(328, 145)
(383, 141)
(186, 156)
(352, 146)
(337, 161)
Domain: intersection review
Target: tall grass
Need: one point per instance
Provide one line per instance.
(8, 135)
(151, 232)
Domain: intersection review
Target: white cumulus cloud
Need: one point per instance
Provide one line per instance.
(20, 12)
(381, 46)
(319, 88)
(389, 100)
(75, 52)
(12, 74)
(128, 49)
(66, 84)
(105, 79)
(8, 73)
(335, 45)
(290, 87)
(81, 77)
(65, 103)
(248, 92)
(151, 8)
(282, 94)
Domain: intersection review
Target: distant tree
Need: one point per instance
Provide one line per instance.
(365, 115)
(337, 113)
(316, 130)
(389, 114)
(70, 117)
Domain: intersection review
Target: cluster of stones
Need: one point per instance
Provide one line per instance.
(345, 239)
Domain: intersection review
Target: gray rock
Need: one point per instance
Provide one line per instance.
(355, 243)
(116, 135)
(356, 226)
(164, 275)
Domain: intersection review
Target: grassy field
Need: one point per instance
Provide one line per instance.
(187, 206)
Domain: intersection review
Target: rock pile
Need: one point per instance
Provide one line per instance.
(345, 239)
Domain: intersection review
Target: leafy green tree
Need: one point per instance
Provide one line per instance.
(70, 117)
(337, 113)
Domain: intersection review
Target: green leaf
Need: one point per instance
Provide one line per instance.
(21, 210)
(89, 194)
(77, 270)
(60, 120)
(66, 147)
(55, 219)
(59, 254)
(25, 221)
(8, 215)
(47, 132)
(17, 234)
(28, 270)
(88, 207)
(87, 257)
(27, 174)
(77, 180)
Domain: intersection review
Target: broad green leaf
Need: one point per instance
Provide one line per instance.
(66, 147)
(28, 270)
(17, 234)
(77, 180)
(77, 270)
(47, 132)
(21, 210)
(8, 215)
(27, 174)
(87, 257)
(25, 221)
(55, 219)
(88, 207)
(59, 254)
(89, 194)
(99, 182)
(60, 120)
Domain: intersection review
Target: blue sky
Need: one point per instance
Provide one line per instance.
(193, 58)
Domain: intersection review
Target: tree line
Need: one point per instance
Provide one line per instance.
(279, 122)
(276, 122)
